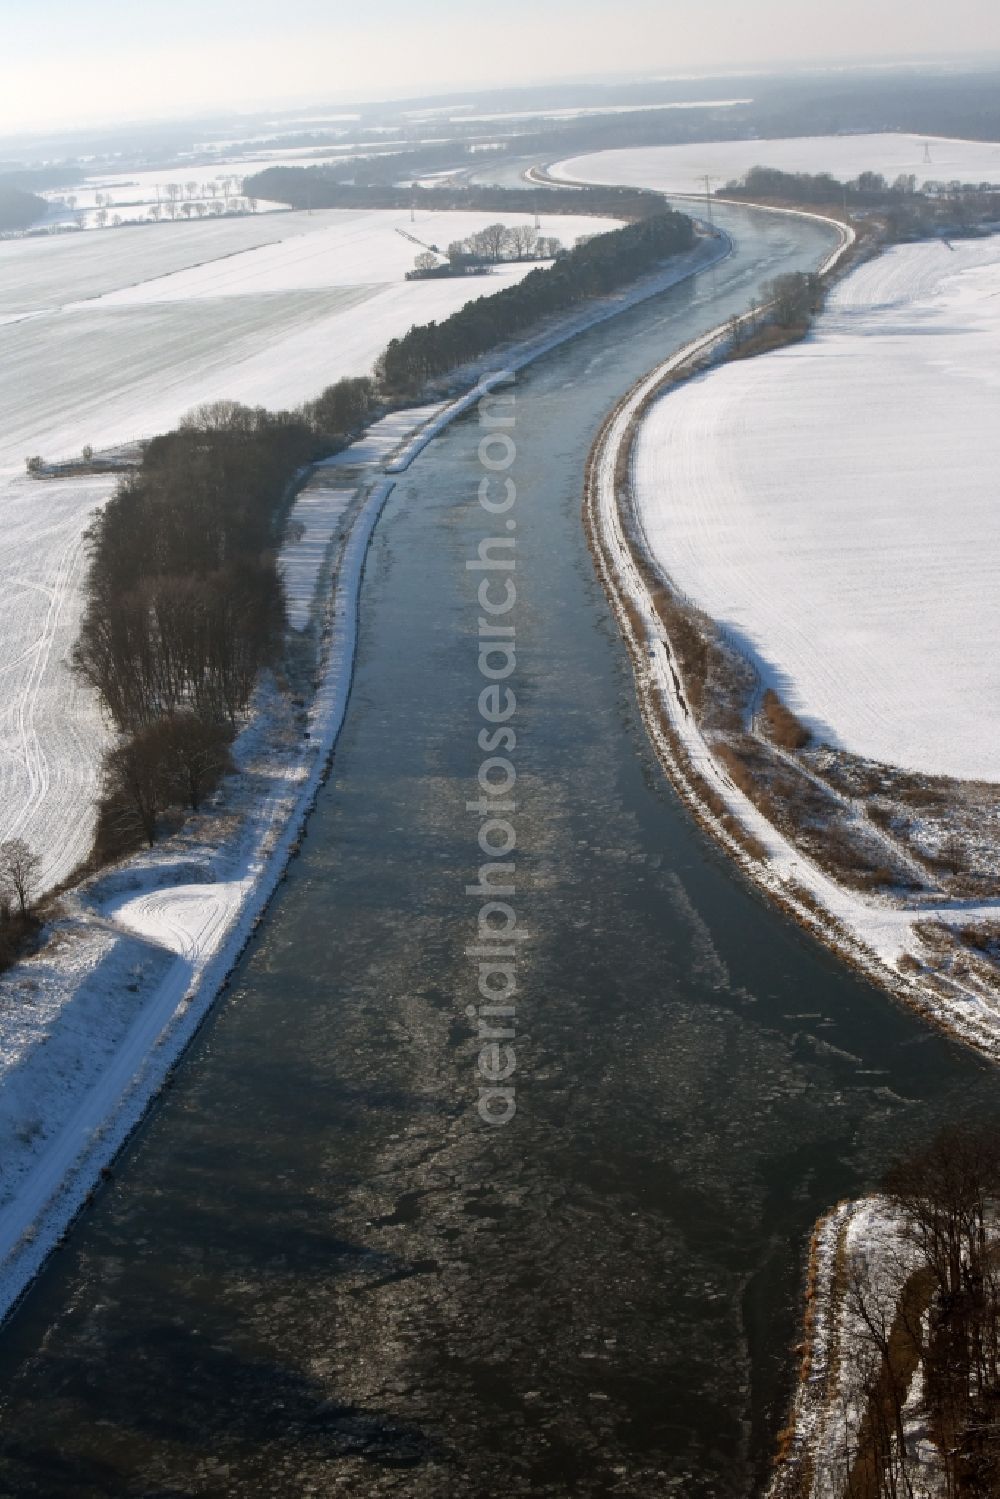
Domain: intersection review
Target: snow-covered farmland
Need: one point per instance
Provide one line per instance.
(50, 730)
(112, 336)
(683, 169)
(130, 195)
(129, 328)
(834, 504)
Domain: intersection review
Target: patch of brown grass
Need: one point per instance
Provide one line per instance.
(786, 731)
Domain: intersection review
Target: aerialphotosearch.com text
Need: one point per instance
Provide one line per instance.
(494, 950)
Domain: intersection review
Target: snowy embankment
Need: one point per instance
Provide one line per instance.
(873, 932)
(833, 505)
(861, 1260)
(683, 169)
(90, 1028)
(107, 338)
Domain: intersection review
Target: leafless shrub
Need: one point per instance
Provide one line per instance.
(19, 867)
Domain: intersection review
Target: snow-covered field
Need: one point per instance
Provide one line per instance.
(263, 311)
(108, 337)
(51, 734)
(683, 169)
(130, 195)
(835, 505)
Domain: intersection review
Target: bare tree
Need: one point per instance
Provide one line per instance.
(523, 241)
(19, 868)
(490, 242)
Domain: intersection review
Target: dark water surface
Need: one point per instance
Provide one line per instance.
(316, 1270)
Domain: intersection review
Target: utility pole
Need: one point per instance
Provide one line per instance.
(708, 200)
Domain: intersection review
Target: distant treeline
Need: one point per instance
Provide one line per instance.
(815, 187)
(19, 210)
(313, 187)
(40, 179)
(908, 212)
(594, 267)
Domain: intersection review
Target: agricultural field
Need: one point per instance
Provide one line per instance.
(180, 192)
(683, 169)
(834, 506)
(112, 336)
(51, 734)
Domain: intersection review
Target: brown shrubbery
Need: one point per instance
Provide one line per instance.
(787, 731)
(737, 769)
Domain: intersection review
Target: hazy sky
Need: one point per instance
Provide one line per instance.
(86, 60)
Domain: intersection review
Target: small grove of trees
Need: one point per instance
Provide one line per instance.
(943, 1312)
(498, 242)
(175, 761)
(184, 605)
(489, 246)
(794, 298)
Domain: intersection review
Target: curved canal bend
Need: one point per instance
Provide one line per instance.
(316, 1271)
